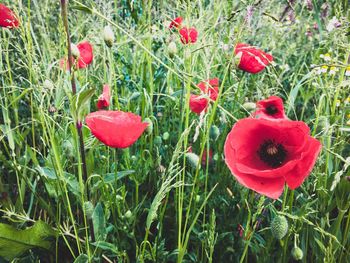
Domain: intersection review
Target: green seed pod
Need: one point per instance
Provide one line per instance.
(297, 253)
(149, 128)
(158, 140)
(249, 106)
(198, 198)
(279, 227)
(193, 159)
(133, 158)
(128, 214)
(88, 209)
(119, 198)
(166, 136)
(172, 48)
(214, 132)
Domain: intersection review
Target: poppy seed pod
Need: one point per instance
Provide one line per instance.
(108, 36)
(172, 48)
(149, 128)
(158, 140)
(214, 132)
(75, 51)
(297, 253)
(279, 227)
(193, 159)
(128, 214)
(166, 136)
(249, 106)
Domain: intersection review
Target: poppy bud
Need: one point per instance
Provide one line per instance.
(75, 51)
(48, 85)
(158, 140)
(198, 198)
(88, 209)
(161, 169)
(119, 198)
(193, 159)
(279, 227)
(108, 36)
(149, 128)
(172, 48)
(128, 214)
(297, 253)
(133, 158)
(249, 106)
(166, 136)
(214, 132)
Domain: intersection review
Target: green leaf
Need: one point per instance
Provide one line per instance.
(82, 8)
(105, 246)
(82, 259)
(99, 222)
(14, 242)
(81, 103)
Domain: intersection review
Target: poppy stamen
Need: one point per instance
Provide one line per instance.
(272, 153)
(271, 110)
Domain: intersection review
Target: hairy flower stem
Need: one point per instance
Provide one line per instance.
(64, 13)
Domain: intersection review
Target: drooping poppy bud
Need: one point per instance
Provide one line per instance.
(279, 227)
(8, 19)
(188, 35)
(108, 36)
(104, 98)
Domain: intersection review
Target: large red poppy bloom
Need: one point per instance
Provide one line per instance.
(8, 18)
(253, 60)
(85, 58)
(116, 129)
(104, 98)
(210, 87)
(198, 103)
(265, 154)
(176, 22)
(271, 108)
(188, 35)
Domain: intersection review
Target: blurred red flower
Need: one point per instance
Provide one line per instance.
(104, 98)
(263, 154)
(85, 58)
(252, 60)
(8, 18)
(188, 35)
(176, 22)
(116, 129)
(271, 108)
(198, 103)
(210, 87)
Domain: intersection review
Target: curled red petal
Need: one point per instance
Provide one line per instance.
(198, 104)
(210, 87)
(104, 98)
(86, 54)
(176, 22)
(188, 35)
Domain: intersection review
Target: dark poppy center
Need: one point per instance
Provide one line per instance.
(271, 110)
(272, 153)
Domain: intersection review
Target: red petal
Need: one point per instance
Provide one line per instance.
(176, 22)
(86, 55)
(8, 18)
(198, 104)
(116, 129)
(105, 97)
(263, 105)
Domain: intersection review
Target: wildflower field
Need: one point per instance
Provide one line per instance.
(174, 131)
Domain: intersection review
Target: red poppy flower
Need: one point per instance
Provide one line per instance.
(116, 129)
(198, 103)
(188, 35)
(8, 18)
(85, 58)
(176, 22)
(253, 60)
(271, 108)
(210, 87)
(263, 154)
(104, 98)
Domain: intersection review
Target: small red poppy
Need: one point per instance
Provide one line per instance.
(252, 60)
(176, 22)
(116, 129)
(265, 154)
(188, 35)
(104, 98)
(85, 58)
(8, 18)
(198, 103)
(210, 87)
(271, 108)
